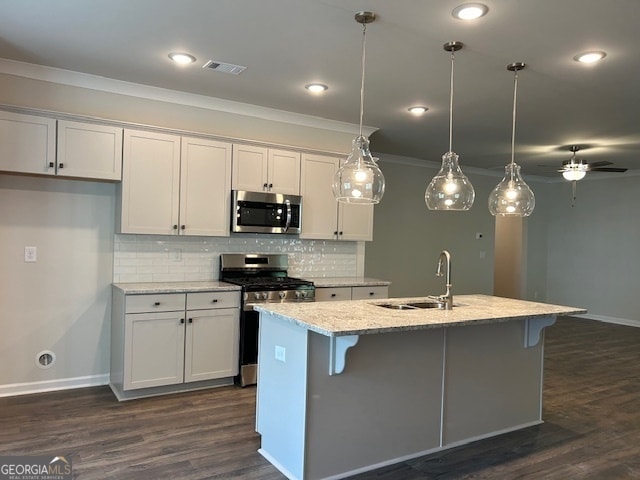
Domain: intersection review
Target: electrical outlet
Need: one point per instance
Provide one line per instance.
(30, 254)
(281, 353)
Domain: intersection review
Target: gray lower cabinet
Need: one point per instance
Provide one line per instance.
(171, 339)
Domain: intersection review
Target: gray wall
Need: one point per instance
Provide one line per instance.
(408, 237)
(62, 302)
(593, 259)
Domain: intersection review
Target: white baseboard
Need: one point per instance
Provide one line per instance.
(618, 321)
(15, 389)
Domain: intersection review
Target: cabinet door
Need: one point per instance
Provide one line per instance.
(211, 346)
(249, 168)
(284, 172)
(153, 349)
(150, 183)
(205, 187)
(355, 222)
(89, 151)
(27, 143)
(319, 207)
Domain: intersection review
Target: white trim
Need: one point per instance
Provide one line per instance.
(110, 85)
(14, 389)
(629, 322)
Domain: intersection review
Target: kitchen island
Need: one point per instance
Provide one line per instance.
(346, 387)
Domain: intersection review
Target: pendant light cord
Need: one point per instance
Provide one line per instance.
(513, 126)
(451, 106)
(364, 46)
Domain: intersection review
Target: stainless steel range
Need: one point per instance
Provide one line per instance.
(264, 279)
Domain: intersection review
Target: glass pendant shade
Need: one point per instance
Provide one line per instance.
(512, 197)
(450, 189)
(359, 180)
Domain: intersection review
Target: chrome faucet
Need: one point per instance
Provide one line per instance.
(447, 298)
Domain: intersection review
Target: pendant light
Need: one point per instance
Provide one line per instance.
(359, 180)
(450, 189)
(512, 197)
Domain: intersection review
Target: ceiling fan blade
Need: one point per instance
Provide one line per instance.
(607, 169)
(599, 164)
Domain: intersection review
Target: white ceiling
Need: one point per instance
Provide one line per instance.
(286, 44)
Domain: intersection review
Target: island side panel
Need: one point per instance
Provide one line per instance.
(492, 382)
(384, 406)
(281, 395)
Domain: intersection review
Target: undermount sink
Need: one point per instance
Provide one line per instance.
(411, 305)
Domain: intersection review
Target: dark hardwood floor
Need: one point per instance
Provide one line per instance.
(591, 429)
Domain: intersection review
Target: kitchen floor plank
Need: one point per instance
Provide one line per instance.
(591, 429)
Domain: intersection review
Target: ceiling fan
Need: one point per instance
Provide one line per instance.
(575, 169)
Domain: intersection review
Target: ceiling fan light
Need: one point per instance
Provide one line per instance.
(574, 174)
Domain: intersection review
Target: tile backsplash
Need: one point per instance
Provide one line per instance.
(153, 258)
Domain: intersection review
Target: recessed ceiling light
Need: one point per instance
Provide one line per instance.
(470, 11)
(590, 57)
(316, 87)
(417, 110)
(182, 58)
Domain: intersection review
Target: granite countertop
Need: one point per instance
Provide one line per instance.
(321, 282)
(175, 287)
(360, 317)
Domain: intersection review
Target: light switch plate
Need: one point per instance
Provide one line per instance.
(281, 353)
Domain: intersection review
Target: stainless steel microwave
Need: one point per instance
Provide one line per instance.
(260, 212)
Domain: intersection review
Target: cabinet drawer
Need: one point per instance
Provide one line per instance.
(206, 300)
(362, 293)
(163, 302)
(333, 294)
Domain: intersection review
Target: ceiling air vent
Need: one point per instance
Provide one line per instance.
(224, 67)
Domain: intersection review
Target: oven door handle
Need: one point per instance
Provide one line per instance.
(288, 222)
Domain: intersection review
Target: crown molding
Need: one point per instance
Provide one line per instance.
(110, 85)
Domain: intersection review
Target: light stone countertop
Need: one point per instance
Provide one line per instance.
(360, 317)
(175, 287)
(321, 282)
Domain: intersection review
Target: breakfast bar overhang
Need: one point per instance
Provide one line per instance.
(346, 387)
